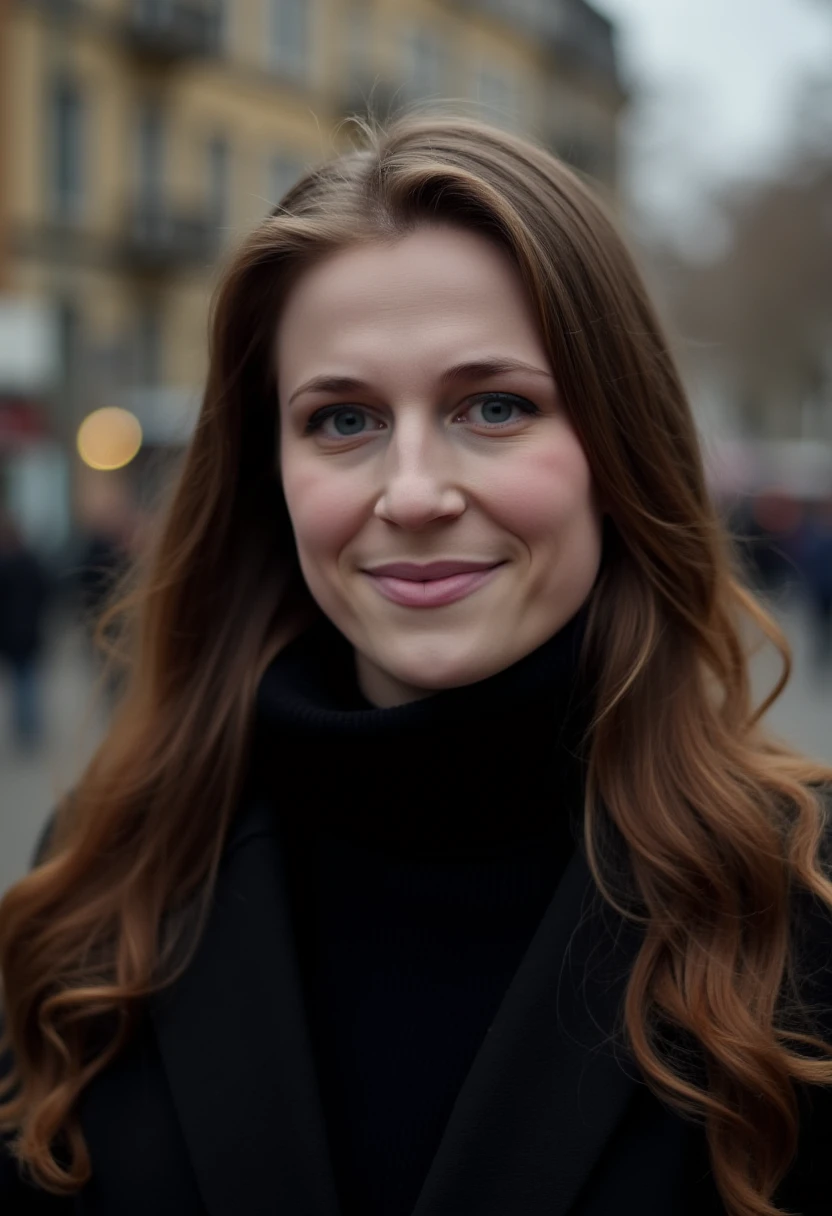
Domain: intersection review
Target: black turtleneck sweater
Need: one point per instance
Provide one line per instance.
(424, 844)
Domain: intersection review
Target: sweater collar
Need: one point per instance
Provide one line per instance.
(311, 687)
(461, 771)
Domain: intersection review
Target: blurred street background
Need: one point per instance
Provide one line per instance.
(141, 139)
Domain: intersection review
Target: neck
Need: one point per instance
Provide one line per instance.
(382, 690)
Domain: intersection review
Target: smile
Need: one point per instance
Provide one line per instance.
(430, 586)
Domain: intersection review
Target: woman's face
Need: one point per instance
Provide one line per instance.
(442, 505)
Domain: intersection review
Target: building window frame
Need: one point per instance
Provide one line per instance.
(218, 184)
(357, 40)
(289, 37)
(149, 345)
(151, 143)
(224, 26)
(67, 148)
(283, 167)
(424, 61)
(500, 95)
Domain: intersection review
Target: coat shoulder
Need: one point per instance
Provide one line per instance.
(18, 1197)
(812, 930)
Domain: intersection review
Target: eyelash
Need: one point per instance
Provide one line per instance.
(316, 421)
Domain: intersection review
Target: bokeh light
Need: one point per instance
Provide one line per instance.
(109, 438)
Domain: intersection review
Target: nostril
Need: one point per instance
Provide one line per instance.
(417, 506)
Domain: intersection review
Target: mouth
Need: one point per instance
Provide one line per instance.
(432, 585)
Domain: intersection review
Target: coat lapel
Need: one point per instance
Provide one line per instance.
(232, 1035)
(548, 1086)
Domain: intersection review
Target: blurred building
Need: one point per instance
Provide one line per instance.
(141, 137)
(754, 331)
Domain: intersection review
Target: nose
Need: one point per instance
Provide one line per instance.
(420, 487)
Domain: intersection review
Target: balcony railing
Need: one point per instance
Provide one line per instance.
(173, 29)
(574, 29)
(358, 96)
(159, 236)
(59, 10)
(580, 33)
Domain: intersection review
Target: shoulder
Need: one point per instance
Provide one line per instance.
(46, 836)
(811, 929)
(21, 1198)
(44, 840)
(255, 817)
(16, 1194)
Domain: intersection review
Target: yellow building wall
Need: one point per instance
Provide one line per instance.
(25, 122)
(261, 110)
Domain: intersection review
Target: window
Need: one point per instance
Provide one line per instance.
(423, 66)
(585, 153)
(499, 95)
(151, 155)
(284, 170)
(70, 352)
(148, 348)
(67, 119)
(219, 159)
(356, 44)
(222, 22)
(289, 36)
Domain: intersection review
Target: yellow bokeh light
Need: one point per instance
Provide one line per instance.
(109, 438)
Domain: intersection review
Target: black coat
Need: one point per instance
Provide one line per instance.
(23, 596)
(213, 1110)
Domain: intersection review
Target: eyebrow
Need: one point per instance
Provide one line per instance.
(472, 369)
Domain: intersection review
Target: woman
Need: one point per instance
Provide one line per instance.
(436, 861)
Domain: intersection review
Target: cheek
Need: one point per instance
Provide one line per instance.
(325, 511)
(545, 493)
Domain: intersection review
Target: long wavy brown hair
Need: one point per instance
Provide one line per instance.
(723, 825)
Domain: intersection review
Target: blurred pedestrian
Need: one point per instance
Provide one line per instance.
(23, 599)
(436, 860)
(766, 526)
(107, 553)
(816, 562)
(102, 561)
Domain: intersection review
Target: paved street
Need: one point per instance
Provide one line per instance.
(29, 786)
(802, 715)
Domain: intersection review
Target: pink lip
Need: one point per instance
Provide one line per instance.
(432, 585)
(421, 573)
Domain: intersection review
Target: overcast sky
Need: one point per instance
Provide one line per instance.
(715, 84)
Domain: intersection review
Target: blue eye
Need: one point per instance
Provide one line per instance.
(349, 422)
(498, 409)
(490, 411)
(341, 422)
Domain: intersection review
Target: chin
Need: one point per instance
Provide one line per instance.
(434, 669)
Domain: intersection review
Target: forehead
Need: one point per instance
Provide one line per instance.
(425, 296)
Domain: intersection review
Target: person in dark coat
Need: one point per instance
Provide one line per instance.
(434, 862)
(104, 558)
(102, 562)
(23, 600)
(816, 561)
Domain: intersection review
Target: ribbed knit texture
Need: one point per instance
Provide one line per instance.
(424, 844)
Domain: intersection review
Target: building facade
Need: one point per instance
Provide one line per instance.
(142, 138)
